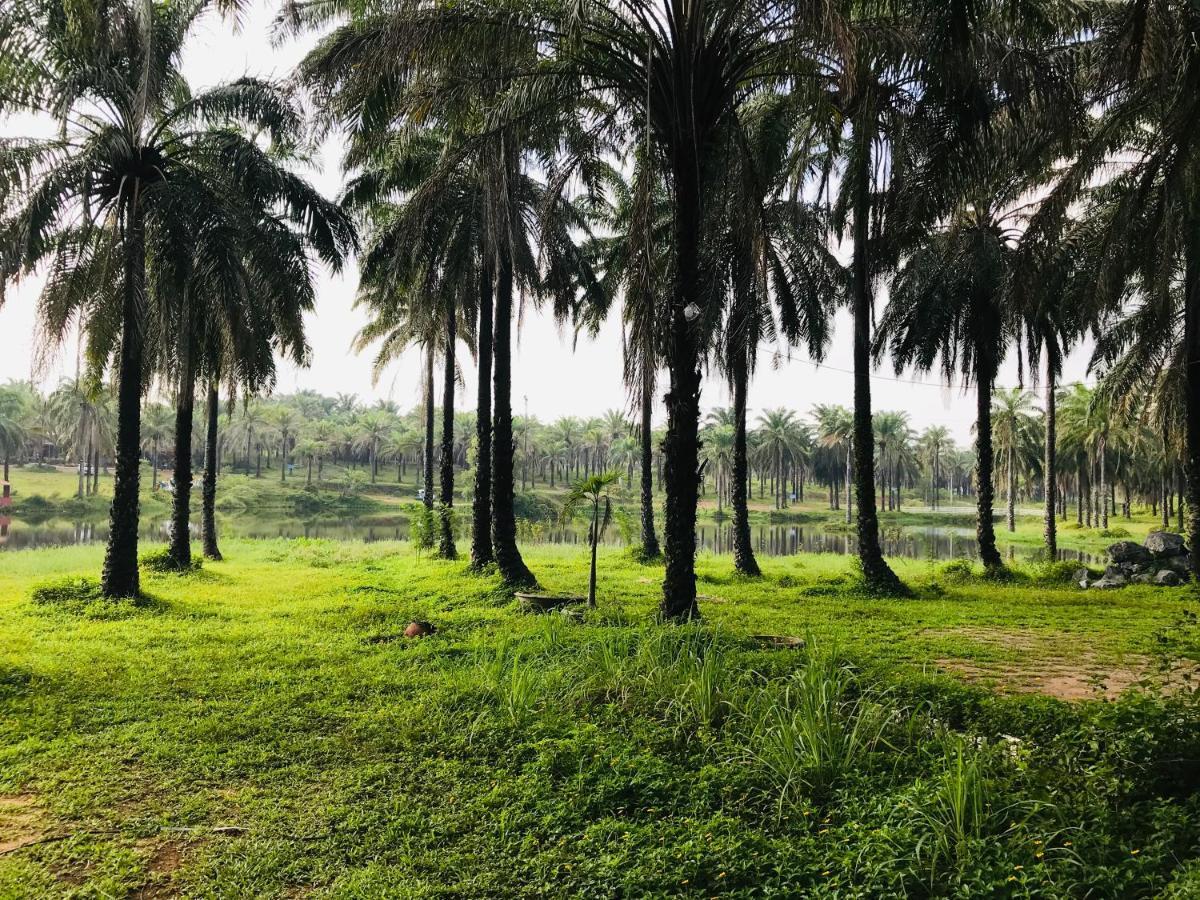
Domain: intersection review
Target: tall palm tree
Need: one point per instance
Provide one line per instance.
(373, 428)
(1142, 62)
(774, 244)
(949, 306)
(156, 427)
(630, 251)
(835, 430)
(935, 441)
(454, 81)
(397, 324)
(129, 156)
(1013, 426)
(12, 426)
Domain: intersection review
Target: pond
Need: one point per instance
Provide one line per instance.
(786, 539)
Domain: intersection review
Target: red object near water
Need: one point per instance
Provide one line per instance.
(6, 494)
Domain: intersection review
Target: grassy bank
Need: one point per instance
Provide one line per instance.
(262, 729)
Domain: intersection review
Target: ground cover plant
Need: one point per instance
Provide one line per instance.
(262, 728)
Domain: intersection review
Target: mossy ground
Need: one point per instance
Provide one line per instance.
(261, 728)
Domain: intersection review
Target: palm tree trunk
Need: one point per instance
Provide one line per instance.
(181, 539)
(650, 548)
(682, 444)
(154, 467)
(482, 553)
(985, 531)
(1012, 491)
(743, 550)
(1191, 343)
(504, 523)
(1104, 495)
(876, 572)
(446, 548)
(1050, 461)
(849, 483)
(120, 575)
(595, 539)
(428, 461)
(209, 489)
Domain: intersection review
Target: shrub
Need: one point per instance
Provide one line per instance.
(162, 561)
(67, 591)
(83, 597)
(957, 570)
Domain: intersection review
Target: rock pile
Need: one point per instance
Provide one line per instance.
(1162, 560)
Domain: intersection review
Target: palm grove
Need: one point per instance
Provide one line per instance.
(1018, 176)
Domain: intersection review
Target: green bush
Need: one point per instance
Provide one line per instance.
(162, 561)
(83, 597)
(67, 591)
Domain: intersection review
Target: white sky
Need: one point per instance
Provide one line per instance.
(556, 379)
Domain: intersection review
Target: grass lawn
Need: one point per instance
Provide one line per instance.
(262, 728)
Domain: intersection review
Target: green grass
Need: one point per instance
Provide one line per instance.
(260, 728)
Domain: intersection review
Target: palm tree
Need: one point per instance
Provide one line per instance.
(373, 427)
(835, 430)
(935, 441)
(251, 424)
(594, 491)
(780, 434)
(631, 253)
(1013, 425)
(949, 304)
(717, 454)
(156, 427)
(130, 157)
(1142, 61)
(774, 242)
(457, 89)
(12, 429)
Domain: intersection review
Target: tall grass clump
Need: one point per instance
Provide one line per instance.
(815, 731)
(514, 683)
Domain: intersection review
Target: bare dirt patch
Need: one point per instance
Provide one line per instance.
(22, 822)
(1045, 669)
(166, 858)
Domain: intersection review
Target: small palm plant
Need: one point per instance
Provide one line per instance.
(593, 490)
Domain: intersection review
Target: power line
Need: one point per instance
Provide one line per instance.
(933, 384)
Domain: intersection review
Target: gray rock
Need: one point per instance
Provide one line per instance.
(1081, 576)
(1143, 578)
(1121, 571)
(1180, 565)
(1111, 581)
(1167, 578)
(1128, 552)
(1164, 543)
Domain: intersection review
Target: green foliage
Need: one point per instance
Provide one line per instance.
(816, 731)
(67, 591)
(558, 758)
(423, 527)
(82, 596)
(162, 561)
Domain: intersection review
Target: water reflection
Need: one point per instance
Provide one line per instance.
(918, 542)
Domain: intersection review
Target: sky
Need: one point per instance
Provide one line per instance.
(552, 373)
